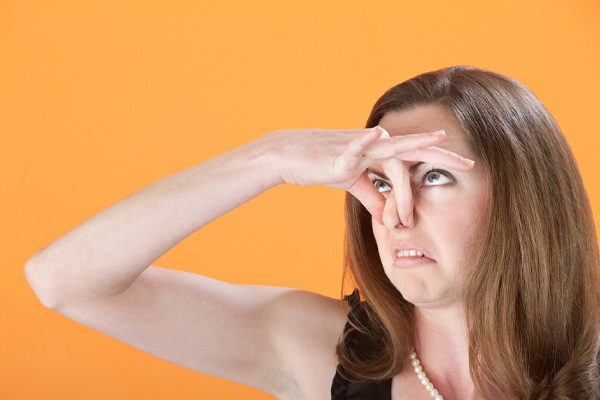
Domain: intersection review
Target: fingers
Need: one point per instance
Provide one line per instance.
(353, 155)
(402, 143)
(437, 155)
(369, 196)
(402, 193)
(417, 147)
(375, 133)
(366, 148)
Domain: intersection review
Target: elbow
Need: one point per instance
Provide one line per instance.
(38, 279)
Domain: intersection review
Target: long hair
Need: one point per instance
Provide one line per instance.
(533, 295)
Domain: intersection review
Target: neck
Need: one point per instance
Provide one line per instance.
(442, 346)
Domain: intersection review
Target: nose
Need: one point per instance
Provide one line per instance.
(399, 204)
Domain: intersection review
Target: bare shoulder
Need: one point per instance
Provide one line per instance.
(307, 329)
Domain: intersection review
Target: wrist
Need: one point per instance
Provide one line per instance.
(264, 155)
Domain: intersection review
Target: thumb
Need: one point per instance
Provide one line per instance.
(365, 192)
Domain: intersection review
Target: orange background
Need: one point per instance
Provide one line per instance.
(101, 98)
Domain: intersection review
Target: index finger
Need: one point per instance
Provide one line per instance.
(437, 155)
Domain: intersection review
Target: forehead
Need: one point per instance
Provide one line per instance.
(428, 118)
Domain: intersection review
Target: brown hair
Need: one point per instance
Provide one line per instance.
(533, 294)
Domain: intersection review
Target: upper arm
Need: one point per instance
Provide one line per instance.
(221, 329)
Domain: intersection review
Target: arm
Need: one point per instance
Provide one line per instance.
(105, 254)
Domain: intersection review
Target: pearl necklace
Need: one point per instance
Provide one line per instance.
(423, 377)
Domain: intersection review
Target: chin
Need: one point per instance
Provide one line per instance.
(415, 288)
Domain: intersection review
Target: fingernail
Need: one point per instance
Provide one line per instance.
(440, 133)
(470, 162)
(384, 133)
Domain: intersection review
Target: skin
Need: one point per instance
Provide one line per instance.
(443, 217)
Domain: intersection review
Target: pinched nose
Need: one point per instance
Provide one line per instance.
(398, 214)
(399, 203)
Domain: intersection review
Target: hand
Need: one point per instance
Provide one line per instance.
(338, 158)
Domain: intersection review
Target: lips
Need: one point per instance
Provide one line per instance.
(405, 245)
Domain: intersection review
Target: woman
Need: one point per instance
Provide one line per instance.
(502, 302)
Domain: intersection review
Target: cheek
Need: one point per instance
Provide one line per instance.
(458, 231)
(382, 237)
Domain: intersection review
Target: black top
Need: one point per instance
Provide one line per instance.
(342, 389)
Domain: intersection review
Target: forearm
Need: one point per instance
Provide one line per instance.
(105, 254)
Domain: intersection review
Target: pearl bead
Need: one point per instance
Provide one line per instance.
(416, 363)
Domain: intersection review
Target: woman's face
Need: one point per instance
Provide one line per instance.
(445, 207)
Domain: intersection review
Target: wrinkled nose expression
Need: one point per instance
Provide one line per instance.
(429, 203)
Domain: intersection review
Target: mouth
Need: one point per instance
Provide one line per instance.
(410, 250)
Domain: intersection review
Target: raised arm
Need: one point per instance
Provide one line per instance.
(105, 254)
(280, 340)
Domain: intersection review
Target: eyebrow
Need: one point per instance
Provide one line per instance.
(384, 176)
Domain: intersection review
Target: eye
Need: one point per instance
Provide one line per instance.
(375, 181)
(435, 174)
